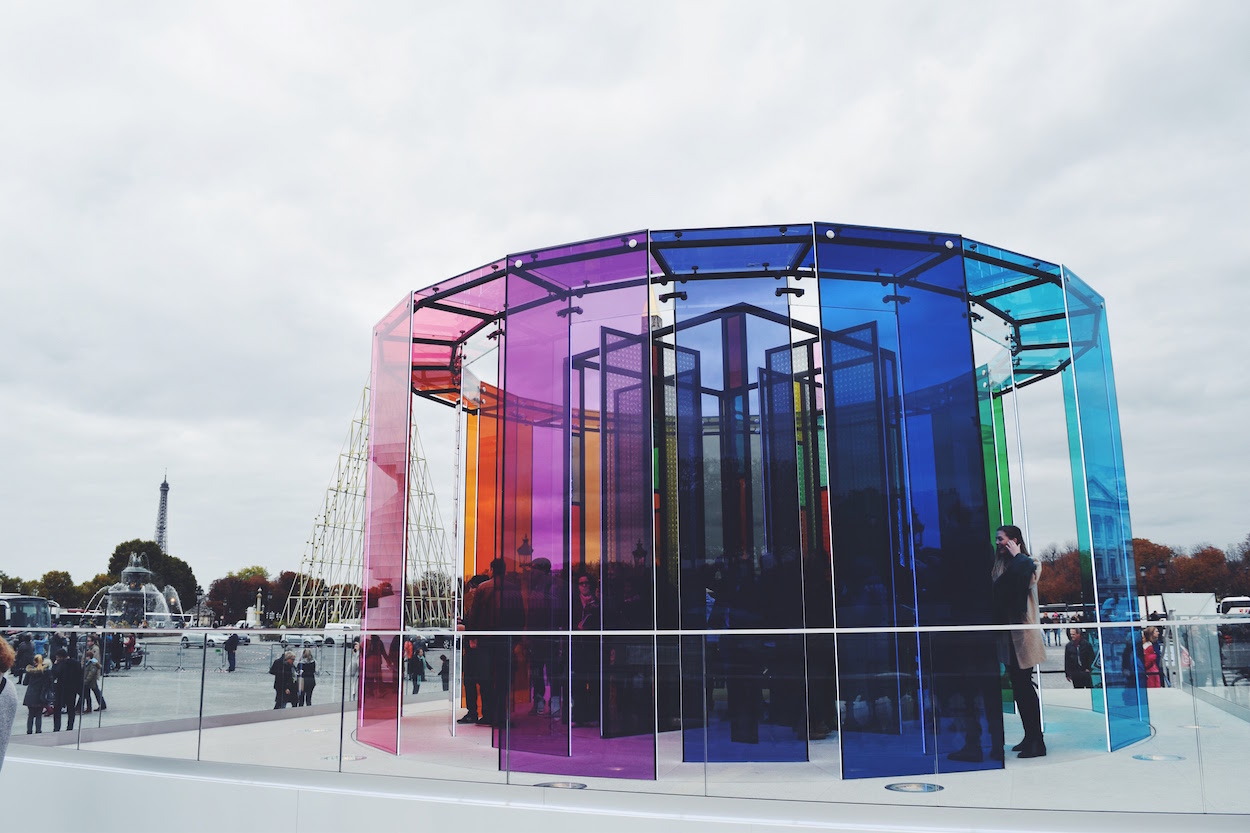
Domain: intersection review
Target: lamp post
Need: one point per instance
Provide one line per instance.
(524, 553)
(1162, 569)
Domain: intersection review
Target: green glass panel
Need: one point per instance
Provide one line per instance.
(1004, 473)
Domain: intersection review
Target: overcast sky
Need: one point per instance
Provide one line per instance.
(204, 210)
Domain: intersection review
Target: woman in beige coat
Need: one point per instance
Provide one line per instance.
(1015, 603)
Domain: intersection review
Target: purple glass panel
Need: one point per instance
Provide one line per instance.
(580, 497)
(385, 524)
(534, 507)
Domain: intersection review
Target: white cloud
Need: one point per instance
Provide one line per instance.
(202, 214)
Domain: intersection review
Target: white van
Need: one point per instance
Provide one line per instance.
(340, 632)
(1235, 606)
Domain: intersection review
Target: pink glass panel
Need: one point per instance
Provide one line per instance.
(385, 524)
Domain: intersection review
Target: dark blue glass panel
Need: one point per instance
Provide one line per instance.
(950, 527)
(911, 539)
(741, 567)
(967, 697)
(757, 700)
(747, 250)
(1106, 507)
(873, 580)
(883, 700)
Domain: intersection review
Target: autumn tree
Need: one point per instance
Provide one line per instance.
(1060, 580)
(232, 595)
(1204, 571)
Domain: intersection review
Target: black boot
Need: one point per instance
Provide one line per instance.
(969, 755)
(1034, 749)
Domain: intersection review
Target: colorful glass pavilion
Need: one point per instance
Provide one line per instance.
(774, 460)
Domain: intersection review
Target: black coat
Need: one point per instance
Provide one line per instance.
(283, 675)
(25, 655)
(1078, 659)
(66, 680)
(1011, 590)
(307, 670)
(37, 687)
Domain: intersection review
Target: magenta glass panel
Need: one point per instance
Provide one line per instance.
(481, 289)
(385, 523)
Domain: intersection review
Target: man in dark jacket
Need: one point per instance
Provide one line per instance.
(284, 686)
(25, 656)
(1078, 660)
(232, 645)
(66, 688)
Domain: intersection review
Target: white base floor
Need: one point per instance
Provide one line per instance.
(284, 773)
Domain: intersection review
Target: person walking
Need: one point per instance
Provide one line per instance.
(91, 671)
(232, 645)
(353, 670)
(444, 671)
(37, 694)
(67, 679)
(8, 697)
(307, 672)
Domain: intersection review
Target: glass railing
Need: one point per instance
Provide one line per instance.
(848, 715)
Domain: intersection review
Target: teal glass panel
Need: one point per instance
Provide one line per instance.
(1105, 506)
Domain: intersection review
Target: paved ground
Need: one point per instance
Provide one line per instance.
(167, 685)
(1198, 748)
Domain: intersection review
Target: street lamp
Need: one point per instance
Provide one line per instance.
(524, 553)
(1162, 569)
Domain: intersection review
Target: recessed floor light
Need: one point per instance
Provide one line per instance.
(345, 757)
(562, 785)
(913, 787)
(1158, 758)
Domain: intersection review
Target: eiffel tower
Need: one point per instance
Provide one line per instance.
(328, 585)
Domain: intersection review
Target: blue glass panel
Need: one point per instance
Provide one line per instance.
(1106, 505)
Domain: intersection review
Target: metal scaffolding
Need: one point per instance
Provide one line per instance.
(328, 588)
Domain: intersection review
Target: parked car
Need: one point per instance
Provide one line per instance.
(212, 639)
(307, 640)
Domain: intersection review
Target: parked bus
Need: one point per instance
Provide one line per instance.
(18, 612)
(26, 614)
